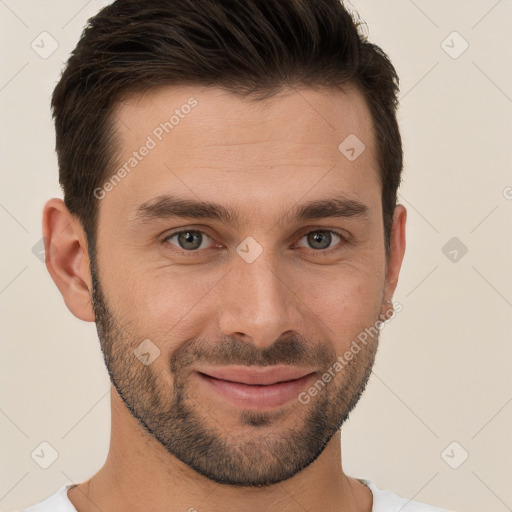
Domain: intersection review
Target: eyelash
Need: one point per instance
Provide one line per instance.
(342, 236)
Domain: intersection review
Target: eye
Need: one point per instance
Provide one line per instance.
(321, 239)
(188, 240)
(194, 240)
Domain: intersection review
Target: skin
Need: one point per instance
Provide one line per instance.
(291, 305)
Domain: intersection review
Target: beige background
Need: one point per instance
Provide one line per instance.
(444, 366)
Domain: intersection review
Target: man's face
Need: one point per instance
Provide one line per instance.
(297, 292)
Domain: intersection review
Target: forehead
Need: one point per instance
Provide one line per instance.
(202, 142)
(220, 118)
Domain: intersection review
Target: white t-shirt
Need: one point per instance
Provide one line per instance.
(383, 501)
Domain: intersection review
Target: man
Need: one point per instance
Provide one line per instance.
(230, 172)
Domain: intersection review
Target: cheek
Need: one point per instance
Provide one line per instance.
(343, 303)
(166, 305)
(170, 304)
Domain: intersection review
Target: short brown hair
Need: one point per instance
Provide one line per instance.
(248, 47)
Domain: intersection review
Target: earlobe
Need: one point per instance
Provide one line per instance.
(67, 259)
(397, 250)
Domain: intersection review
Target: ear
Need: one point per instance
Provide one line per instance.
(67, 259)
(396, 250)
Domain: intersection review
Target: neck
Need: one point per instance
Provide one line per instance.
(139, 474)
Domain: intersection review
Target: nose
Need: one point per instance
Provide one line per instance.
(259, 303)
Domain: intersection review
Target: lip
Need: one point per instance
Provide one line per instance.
(258, 396)
(252, 375)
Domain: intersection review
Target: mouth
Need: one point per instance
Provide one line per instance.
(256, 375)
(255, 395)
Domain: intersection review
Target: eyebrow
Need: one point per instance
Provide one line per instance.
(169, 206)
